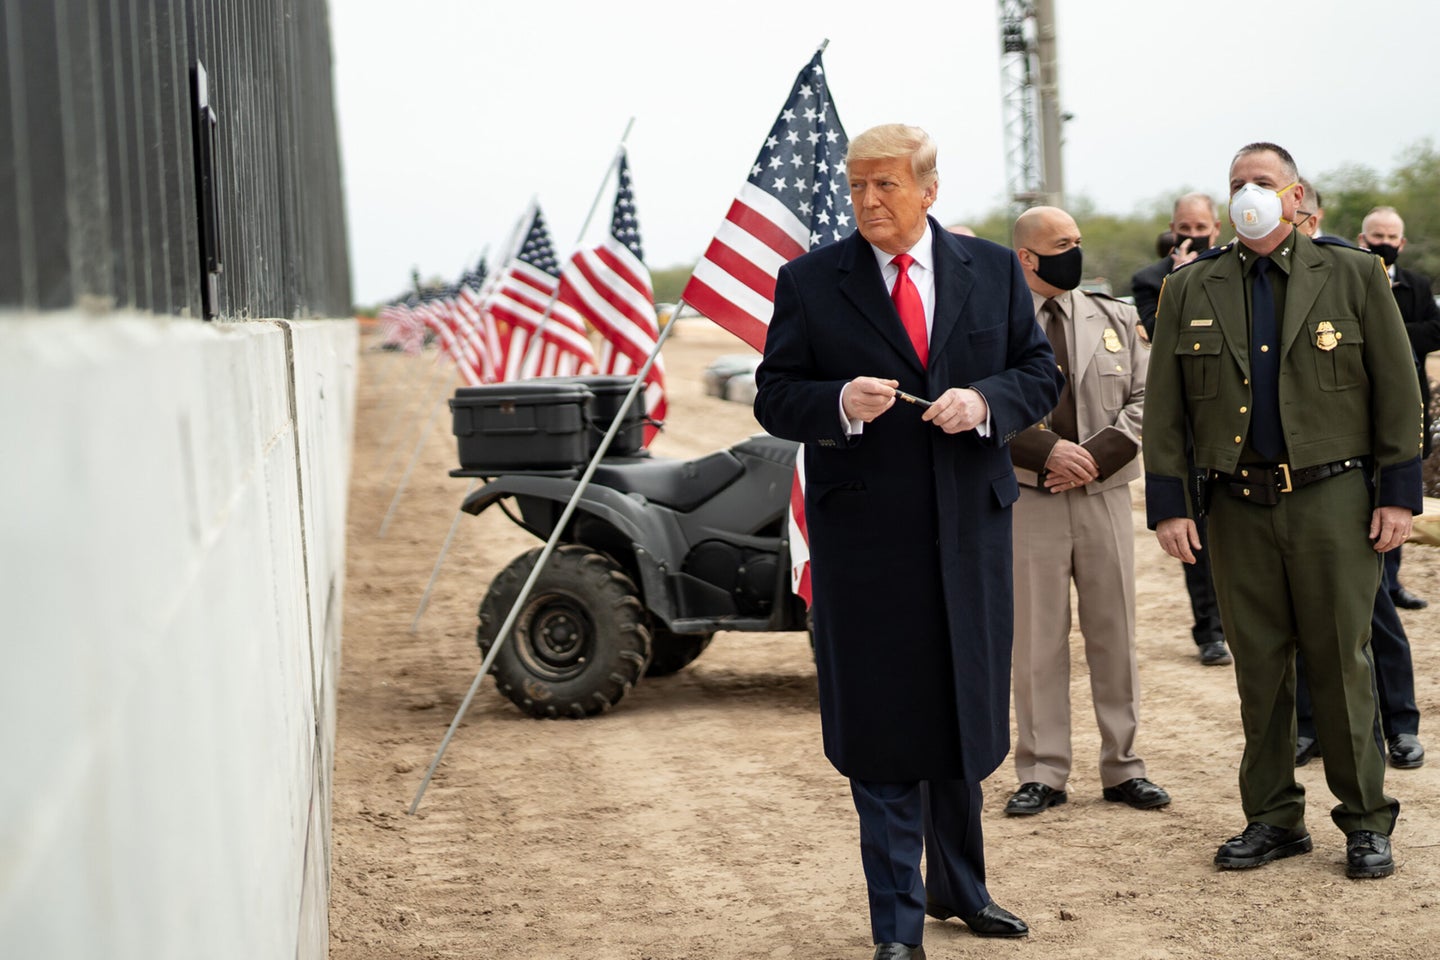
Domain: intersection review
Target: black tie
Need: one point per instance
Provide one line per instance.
(1266, 434)
(1063, 417)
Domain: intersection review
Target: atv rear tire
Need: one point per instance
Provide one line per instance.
(673, 652)
(579, 643)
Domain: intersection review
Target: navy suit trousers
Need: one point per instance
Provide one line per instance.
(899, 821)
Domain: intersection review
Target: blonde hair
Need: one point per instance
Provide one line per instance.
(891, 140)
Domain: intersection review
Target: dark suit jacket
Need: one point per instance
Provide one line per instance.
(1422, 323)
(909, 527)
(1145, 286)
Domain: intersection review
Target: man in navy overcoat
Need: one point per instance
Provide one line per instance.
(908, 511)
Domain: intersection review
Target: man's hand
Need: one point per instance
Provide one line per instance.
(1390, 527)
(865, 398)
(1181, 255)
(1178, 537)
(1069, 466)
(957, 410)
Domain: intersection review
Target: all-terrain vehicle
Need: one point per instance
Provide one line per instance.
(658, 556)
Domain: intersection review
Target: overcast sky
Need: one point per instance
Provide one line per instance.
(454, 113)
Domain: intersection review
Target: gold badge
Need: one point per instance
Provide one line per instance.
(1112, 340)
(1325, 336)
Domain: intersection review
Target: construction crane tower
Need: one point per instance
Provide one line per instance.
(1030, 94)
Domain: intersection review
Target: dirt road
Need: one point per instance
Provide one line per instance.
(700, 821)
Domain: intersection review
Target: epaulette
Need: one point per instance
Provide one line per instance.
(1210, 254)
(1330, 241)
(1102, 295)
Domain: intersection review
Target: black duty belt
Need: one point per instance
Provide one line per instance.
(1263, 484)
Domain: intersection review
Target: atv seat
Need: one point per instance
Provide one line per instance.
(766, 447)
(679, 484)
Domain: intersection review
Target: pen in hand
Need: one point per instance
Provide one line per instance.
(911, 398)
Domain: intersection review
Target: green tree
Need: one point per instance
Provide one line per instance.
(1416, 194)
(1348, 194)
(669, 282)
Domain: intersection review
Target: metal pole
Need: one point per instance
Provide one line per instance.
(555, 535)
(420, 445)
(384, 374)
(1052, 175)
(401, 405)
(425, 392)
(534, 344)
(444, 549)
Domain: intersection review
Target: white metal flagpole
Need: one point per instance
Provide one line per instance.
(536, 342)
(405, 478)
(504, 631)
(440, 375)
(444, 549)
(525, 362)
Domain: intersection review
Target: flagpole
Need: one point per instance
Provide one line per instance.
(379, 383)
(396, 443)
(395, 408)
(537, 338)
(405, 477)
(531, 347)
(549, 548)
(444, 549)
(419, 381)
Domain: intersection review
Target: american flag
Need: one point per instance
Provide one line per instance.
(482, 327)
(435, 311)
(796, 199)
(522, 296)
(402, 327)
(609, 287)
(464, 323)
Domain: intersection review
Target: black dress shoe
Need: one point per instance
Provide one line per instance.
(898, 951)
(1406, 600)
(1261, 843)
(993, 920)
(1139, 793)
(1214, 654)
(1032, 798)
(1405, 751)
(1367, 854)
(1306, 749)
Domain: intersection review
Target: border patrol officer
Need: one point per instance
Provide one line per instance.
(1288, 361)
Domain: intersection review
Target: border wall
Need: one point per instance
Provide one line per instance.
(176, 412)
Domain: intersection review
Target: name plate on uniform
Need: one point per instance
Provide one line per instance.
(1202, 323)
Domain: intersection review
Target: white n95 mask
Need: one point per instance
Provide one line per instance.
(1255, 211)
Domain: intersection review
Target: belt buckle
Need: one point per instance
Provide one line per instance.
(1287, 486)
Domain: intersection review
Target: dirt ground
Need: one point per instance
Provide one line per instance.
(699, 819)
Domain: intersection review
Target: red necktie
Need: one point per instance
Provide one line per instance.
(911, 310)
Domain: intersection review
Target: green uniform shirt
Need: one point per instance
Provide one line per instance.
(1342, 385)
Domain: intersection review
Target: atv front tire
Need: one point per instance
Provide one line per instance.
(579, 642)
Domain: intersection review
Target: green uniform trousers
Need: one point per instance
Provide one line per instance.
(1303, 572)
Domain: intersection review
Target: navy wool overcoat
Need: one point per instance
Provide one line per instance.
(909, 527)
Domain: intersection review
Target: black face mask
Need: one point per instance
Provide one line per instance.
(1060, 269)
(1197, 244)
(1386, 252)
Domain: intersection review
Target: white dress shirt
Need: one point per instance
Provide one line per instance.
(922, 274)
